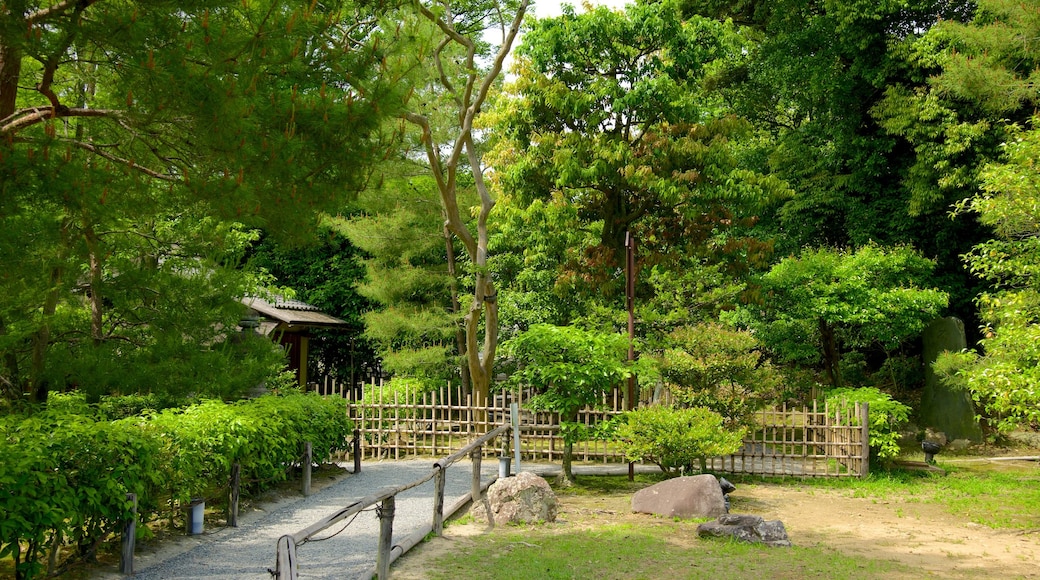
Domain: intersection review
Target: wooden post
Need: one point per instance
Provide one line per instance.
(514, 420)
(236, 480)
(285, 559)
(474, 457)
(864, 419)
(386, 535)
(357, 450)
(308, 452)
(438, 501)
(126, 559)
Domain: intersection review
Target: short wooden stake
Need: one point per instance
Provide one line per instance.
(475, 457)
(308, 453)
(236, 480)
(438, 501)
(386, 536)
(357, 451)
(126, 559)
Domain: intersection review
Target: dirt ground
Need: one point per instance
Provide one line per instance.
(922, 537)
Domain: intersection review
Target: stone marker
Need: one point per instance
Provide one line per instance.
(524, 498)
(697, 496)
(746, 528)
(943, 408)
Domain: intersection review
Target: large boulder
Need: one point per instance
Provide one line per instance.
(523, 498)
(696, 496)
(745, 528)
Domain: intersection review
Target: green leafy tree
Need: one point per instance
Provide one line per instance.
(1003, 379)
(721, 369)
(571, 368)
(987, 71)
(414, 321)
(607, 113)
(458, 70)
(825, 300)
(134, 136)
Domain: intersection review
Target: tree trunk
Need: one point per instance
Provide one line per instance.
(10, 70)
(456, 308)
(831, 354)
(96, 302)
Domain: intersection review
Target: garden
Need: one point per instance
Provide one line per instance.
(698, 211)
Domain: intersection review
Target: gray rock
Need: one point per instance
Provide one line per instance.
(747, 528)
(697, 496)
(523, 498)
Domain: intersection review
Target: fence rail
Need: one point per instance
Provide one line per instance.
(810, 441)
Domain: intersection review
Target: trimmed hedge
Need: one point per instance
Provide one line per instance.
(65, 472)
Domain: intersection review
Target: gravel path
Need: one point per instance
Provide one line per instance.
(249, 550)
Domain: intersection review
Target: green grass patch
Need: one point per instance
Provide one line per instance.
(626, 551)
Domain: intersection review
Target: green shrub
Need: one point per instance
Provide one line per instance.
(675, 438)
(65, 473)
(887, 416)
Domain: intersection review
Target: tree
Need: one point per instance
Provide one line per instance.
(824, 83)
(823, 300)
(721, 369)
(571, 368)
(324, 272)
(134, 136)
(464, 83)
(986, 65)
(414, 318)
(608, 114)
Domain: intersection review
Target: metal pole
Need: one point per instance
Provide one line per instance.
(630, 298)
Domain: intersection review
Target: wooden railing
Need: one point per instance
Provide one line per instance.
(815, 441)
(386, 550)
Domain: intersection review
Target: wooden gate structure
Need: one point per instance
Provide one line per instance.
(816, 441)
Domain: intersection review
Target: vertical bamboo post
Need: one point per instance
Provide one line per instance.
(308, 457)
(357, 450)
(474, 457)
(438, 501)
(385, 512)
(236, 482)
(864, 419)
(126, 558)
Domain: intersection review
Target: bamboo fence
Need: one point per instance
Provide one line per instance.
(816, 441)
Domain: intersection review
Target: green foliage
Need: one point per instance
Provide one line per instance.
(401, 230)
(825, 299)
(718, 368)
(1003, 379)
(607, 114)
(570, 367)
(675, 438)
(324, 272)
(65, 474)
(141, 144)
(887, 417)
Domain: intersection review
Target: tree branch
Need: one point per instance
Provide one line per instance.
(23, 118)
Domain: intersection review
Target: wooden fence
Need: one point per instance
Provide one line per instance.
(810, 442)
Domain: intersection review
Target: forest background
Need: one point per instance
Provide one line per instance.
(807, 184)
